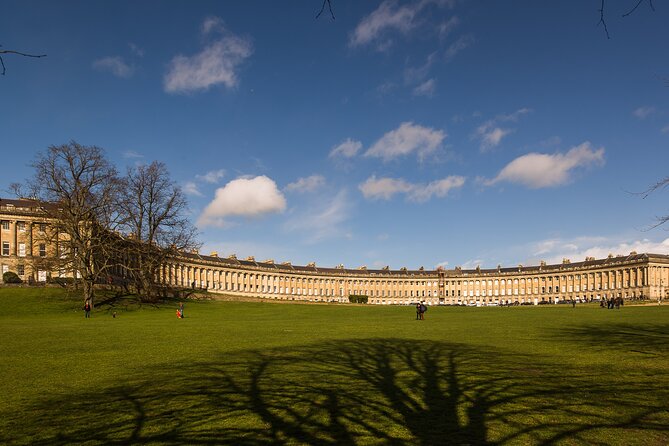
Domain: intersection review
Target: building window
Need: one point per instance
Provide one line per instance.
(42, 227)
(21, 226)
(42, 250)
(22, 249)
(5, 248)
(5, 225)
(20, 269)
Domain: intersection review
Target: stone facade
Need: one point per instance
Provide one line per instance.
(635, 276)
(24, 241)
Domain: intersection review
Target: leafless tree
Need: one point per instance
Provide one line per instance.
(153, 217)
(18, 53)
(77, 187)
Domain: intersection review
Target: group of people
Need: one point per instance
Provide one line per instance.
(613, 302)
(421, 308)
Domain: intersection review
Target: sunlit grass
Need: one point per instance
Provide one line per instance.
(264, 373)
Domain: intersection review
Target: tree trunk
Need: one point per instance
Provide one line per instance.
(88, 291)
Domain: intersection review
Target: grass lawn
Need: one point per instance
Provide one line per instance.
(262, 373)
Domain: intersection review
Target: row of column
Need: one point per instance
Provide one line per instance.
(293, 285)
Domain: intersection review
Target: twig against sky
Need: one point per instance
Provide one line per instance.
(323, 8)
(2, 62)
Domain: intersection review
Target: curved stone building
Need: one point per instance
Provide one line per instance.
(635, 276)
(25, 249)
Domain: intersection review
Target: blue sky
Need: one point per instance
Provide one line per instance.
(403, 133)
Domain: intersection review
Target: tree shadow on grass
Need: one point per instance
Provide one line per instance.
(382, 391)
(651, 340)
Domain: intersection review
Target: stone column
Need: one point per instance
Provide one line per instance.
(13, 228)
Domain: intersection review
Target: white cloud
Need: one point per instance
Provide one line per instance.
(491, 137)
(446, 27)
(390, 17)
(136, 50)
(323, 222)
(405, 140)
(472, 264)
(491, 134)
(537, 170)
(438, 188)
(347, 149)
(212, 23)
(385, 188)
(217, 63)
(643, 112)
(513, 117)
(307, 184)
(211, 177)
(132, 154)
(115, 65)
(460, 44)
(191, 188)
(425, 89)
(245, 197)
(578, 248)
(413, 75)
(385, 88)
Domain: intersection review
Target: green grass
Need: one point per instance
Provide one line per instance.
(263, 373)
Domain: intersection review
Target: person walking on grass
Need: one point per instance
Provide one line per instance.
(423, 309)
(87, 310)
(181, 309)
(418, 311)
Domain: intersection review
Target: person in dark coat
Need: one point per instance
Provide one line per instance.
(87, 310)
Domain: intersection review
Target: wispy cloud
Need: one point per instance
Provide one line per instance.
(347, 149)
(325, 221)
(456, 47)
(425, 89)
(244, 197)
(190, 188)
(445, 28)
(643, 112)
(385, 188)
(217, 64)
(407, 139)
(211, 177)
(212, 24)
(490, 133)
(136, 50)
(538, 170)
(307, 184)
(114, 65)
(413, 75)
(578, 248)
(131, 154)
(491, 136)
(390, 17)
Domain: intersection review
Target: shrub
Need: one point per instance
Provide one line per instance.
(357, 299)
(11, 277)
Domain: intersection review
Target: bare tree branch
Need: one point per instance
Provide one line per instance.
(602, 21)
(19, 53)
(323, 8)
(650, 2)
